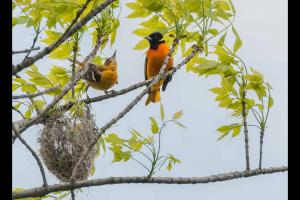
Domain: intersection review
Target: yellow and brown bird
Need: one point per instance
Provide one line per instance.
(155, 57)
(101, 77)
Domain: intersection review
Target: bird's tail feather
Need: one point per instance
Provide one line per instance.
(153, 97)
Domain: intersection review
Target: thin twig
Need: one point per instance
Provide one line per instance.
(41, 191)
(26, 50)
(72, 194)
(34, 155)
(75, 49)
(38, 31)
(262, 132)
(36, 94)
(244, 115)
(20, 113)
(31, 60)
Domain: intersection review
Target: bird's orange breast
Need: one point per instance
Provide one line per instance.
(155, 59)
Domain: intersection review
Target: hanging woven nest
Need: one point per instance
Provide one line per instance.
(63, 140)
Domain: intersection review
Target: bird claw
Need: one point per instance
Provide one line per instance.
(113, 92)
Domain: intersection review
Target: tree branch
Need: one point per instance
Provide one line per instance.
(109, 95)
(29, 61)
(42, 191)
(33, 154)
(36, 94)
(26, 50)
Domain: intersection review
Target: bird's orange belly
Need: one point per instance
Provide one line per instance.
(153, 68)
(155, 64)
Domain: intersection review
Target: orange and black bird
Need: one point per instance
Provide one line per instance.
(155, 57)
(101, 77)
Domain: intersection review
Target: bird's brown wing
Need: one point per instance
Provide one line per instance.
(93, 73)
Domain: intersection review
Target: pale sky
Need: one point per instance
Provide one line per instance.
(262, 26)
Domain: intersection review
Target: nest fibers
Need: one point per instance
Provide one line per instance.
(63, 140)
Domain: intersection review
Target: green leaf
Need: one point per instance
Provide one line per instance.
(223, 56)
(222, 39)
(225, 102)
(139, 13)
(175, 160)
(15, 87)
(169, 167)
(103, 144)
(268, 85)
(39, 104)
(142, 32)
(153, 23)
(92, 170)
(30, 88)
(232, 6)
(218, 90)
(135, 133)
(52, 36)
(135, 144)
(271, 102)
(57, 70)
(154, 126)
(152, 5)
(177, 115)
(62, 52)
(114, 139)
(180, 124)
(214, 32)
(28, 113)
(39, 79)
(193, 5)
(134, 6)
(162, 112)
(225, 129)
(236, 131)
(143, 44)
(238, 42)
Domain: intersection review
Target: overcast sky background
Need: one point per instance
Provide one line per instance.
(262, 26)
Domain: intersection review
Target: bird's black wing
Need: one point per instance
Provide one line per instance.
(145, 68)
(167, 80)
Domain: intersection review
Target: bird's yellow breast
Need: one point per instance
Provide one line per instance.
(108, 79)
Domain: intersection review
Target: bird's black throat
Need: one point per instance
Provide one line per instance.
(154, 44)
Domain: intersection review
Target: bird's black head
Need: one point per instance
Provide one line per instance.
(155, 39)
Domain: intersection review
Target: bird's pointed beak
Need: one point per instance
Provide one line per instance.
(113, 58)
(114, 55)
(148, 38)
